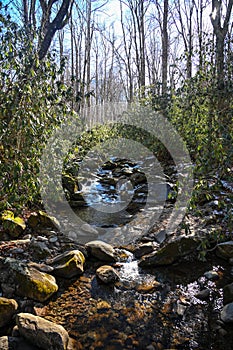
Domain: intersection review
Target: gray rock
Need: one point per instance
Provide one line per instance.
(68, 264)
(8, 308)
(107, 274)
(171, 252)
(225, 250)
(228, 293)
(160, 236)
(211, 275)
(40, 249)
(27, 281)
(101, 250)
(227, 313)
(45, 334)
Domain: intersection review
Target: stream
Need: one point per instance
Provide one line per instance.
(147, 309)
(156, 307)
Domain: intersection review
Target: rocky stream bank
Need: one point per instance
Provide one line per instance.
(58, 294)
(151, 292)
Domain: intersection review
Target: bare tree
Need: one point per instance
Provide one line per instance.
(220, 26)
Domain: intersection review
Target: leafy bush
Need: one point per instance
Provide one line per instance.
(33, 100)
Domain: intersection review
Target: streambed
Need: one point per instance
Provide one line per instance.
(146, 309)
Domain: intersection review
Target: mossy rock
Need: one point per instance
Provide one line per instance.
(30, 282)
(14, 226)
(69, 183)
(68, 264)
(41, 219)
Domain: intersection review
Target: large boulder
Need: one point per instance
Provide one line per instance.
(107, 274)
(8, 308)
(170, 252)
(27, 281)
(225, 250)
(101, 250)
(227, 313)
(68, 264)
(45, 334)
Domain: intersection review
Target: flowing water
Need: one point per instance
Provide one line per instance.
(147, 309)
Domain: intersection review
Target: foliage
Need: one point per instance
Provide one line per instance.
(33, 100)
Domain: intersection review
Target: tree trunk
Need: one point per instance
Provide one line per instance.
(220, 32)
(51, 28)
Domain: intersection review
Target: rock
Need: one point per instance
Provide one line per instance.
(143, 249)
(69, 183)
(103, 305)
(107, 274)
(14, 226)
(227, 313)
(68, 264)
(160, 236)
(203, 294)
(222, 332)
(8, 308)
(40, 249)
(228, 293)
(28, 281)
(42, 220)
(138, 178)
(148, 287)
(170, 252)
(41, 267)
(101, 250)
(45, 334)
(211, 275)
(53, 239)
(225, 250)
(15, 343)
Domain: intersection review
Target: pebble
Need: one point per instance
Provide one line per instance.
(53, 239)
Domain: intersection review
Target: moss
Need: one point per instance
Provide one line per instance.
(36, 285)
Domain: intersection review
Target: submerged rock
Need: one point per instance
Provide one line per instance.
(107, 274)
(45, 334)
(27, 281)
(203, 294)
(68, 264)
(148, 287)
(170, 252)
(227, 313)
(8, 308)
(101, 250)
(225, 250)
